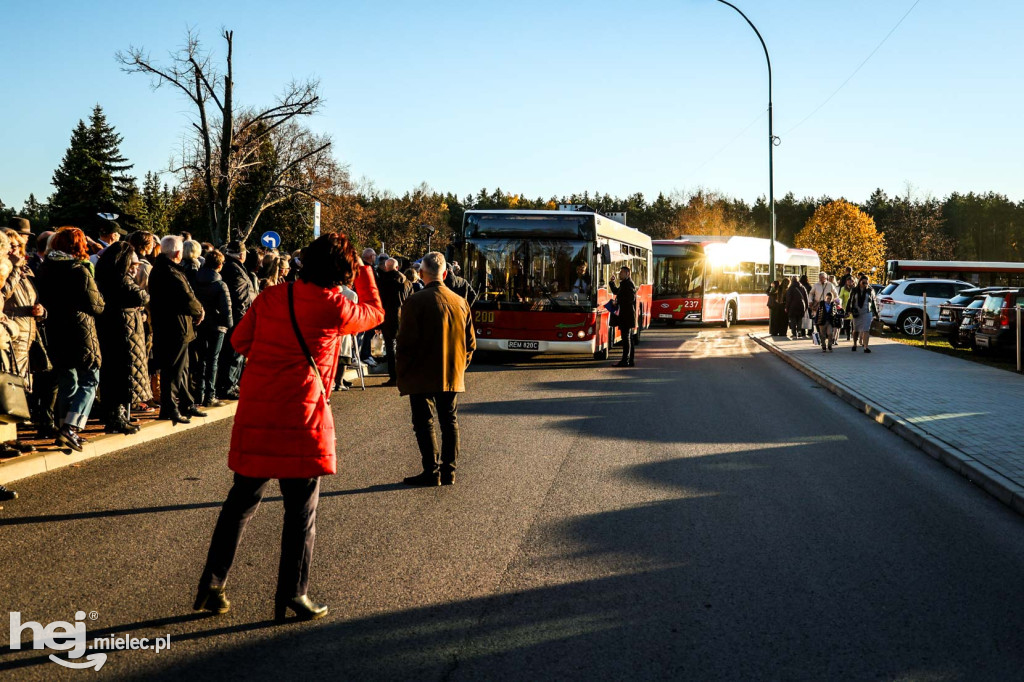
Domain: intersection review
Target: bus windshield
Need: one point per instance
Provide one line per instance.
(678, 277)
(532, 274)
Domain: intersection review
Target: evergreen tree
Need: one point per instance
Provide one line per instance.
(92, 175)
(6, 213)
(37, 213)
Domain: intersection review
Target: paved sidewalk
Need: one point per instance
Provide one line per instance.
(963, 413)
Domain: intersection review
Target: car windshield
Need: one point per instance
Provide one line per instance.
(976, 303)
(890, 288)
(993, 304)
(960, 300)
(532, 274)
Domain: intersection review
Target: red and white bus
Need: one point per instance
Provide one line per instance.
(721, 279)
(978, 273)
(542, 278)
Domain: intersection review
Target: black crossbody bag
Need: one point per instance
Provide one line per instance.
(305, 348)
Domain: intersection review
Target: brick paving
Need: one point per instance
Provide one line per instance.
(970, 408)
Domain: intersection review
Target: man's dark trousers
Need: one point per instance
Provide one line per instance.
(389, 353)
(174, 393)
(447, 406)
(297, 537)
(229, 367)
(628, 344)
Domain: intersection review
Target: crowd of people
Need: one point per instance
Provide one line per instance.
(831, 307)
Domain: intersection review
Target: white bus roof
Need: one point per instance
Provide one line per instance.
(606, 227)
(745, 249)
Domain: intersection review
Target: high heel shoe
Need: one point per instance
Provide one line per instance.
(304, 608)
(212, 599)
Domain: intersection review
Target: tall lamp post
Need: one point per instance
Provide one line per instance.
(772, 141)
(430, 233)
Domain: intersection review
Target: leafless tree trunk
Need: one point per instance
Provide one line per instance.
(223, 166)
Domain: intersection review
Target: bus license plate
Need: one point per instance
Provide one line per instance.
(668, 315)
(524, 345)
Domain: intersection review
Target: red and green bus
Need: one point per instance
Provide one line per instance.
(541, 278)
(721, 279)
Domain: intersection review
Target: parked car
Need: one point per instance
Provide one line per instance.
(997, 320)
(901, 302)
(951, 312)
(969, 323)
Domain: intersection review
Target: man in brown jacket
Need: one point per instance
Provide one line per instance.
(435, 344)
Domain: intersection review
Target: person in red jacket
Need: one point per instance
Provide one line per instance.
(283, 426)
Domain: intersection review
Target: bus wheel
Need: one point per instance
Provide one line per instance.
(730, 315)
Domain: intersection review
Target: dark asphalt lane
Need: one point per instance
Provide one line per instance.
(710, 514)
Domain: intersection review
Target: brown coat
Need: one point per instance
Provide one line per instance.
(435, 342)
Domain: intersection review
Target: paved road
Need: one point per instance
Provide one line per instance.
(711, 514)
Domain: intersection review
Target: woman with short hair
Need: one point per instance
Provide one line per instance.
(283, 426)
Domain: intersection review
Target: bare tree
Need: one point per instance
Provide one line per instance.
(213, 153)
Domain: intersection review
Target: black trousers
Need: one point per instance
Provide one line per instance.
(389, 353)
(297, 537)
(229, 367)
(628, 344)
(447, 406)
(174, 393)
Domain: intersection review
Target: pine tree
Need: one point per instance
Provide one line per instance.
(92, 175)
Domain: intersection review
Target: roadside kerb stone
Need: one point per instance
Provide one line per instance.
(49, 460)
(1004, 489)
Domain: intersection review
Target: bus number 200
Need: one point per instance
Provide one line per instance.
(485, 316)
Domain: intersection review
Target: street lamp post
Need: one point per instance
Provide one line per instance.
(772, 141)
(430, 233)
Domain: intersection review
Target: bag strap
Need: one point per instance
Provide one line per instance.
(305, 348)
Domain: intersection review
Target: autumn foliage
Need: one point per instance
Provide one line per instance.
(843, 235)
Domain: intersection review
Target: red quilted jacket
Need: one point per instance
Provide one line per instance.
(283, 428)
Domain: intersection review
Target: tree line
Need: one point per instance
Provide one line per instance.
(246, 169)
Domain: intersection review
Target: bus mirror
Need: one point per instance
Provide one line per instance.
(606, 254)
(449, 253)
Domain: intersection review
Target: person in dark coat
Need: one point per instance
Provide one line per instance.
(625, 296)
(394, 290)
(284, 427)
(436, 341)
(796, 307)
(460, 286)
(243, 293)
(124, 375)
(215, 298)
(175, 311)
(68, 291)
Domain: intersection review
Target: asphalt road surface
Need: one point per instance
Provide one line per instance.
(710, 514)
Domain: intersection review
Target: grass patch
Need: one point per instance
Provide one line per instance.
(938, 344)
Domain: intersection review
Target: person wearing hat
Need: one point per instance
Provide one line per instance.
(107, 233)
(22, 226)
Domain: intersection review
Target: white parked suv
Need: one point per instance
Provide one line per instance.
(900, 302)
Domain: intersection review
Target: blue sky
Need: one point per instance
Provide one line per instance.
(553, 97)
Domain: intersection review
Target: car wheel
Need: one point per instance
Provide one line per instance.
(911, 323)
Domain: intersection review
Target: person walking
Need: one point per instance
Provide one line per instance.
(435, 344)
(817, 293)
(844, 300)
(625, 297)
(284, 427)
(243, 293)
(863, 307)
(776, 310)
(460, 286)
(826, 317)
(796, 308)
(68, 292)
(414, 279)
(395, 290)
(215, 298)
(175, 312)
(124, 374)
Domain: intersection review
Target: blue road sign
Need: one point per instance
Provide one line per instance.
(271, 239)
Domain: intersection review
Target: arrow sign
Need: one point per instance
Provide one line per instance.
(270, 239)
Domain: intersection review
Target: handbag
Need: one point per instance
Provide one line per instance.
(806, 323)
(13, 398)
(305, 348)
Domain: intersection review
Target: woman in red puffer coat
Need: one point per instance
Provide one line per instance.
(283, 427)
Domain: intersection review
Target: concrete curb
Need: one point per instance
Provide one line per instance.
(49, 460)
(1005, 490)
